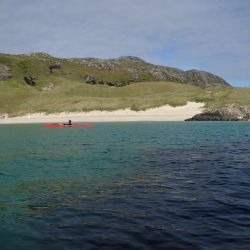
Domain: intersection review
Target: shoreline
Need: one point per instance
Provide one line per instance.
(163, 113)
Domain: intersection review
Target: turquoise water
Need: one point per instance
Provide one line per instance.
(163, 185)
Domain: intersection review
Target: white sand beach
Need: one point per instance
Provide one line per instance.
(163, 113)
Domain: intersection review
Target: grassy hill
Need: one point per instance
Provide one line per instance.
(71, 92)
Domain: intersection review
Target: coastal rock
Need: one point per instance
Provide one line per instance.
(212, 116)
(236, 111)
(48, 87)
(229, 112)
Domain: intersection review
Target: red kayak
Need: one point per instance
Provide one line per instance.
(61, 125)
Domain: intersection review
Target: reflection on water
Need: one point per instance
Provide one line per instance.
(125, 186)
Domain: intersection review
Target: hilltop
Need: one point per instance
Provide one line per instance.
(39, 82)
(113, 72)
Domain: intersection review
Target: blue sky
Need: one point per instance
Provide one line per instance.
(211, 35)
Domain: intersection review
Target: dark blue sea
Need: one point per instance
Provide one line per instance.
(159, 185)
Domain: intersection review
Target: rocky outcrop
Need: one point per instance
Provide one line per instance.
(4, 68)
(41, 56)
(137, 68)
(54, 65)
(92, 80)
(5, 76)
(30, 80)
(212, 116)
(48, 87)
(4, 72)
(229, 112)
(204, 79)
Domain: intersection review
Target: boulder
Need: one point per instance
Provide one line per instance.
(55, 65)
(4, 68)
(4, 72)
(90, 79)
(48, 87)
(5, 76)
(30, 80)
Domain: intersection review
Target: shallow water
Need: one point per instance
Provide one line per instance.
(164, 185)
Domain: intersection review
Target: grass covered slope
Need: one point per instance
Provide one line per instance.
(75, 96)
(71, 92)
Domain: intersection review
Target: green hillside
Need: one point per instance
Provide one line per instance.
(71, 92)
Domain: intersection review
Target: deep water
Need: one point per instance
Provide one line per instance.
(164, 185)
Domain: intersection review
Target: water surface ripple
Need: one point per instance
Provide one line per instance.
(164, 185)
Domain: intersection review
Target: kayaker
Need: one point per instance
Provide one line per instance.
(69, 123)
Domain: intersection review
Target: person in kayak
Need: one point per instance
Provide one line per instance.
(69, 123)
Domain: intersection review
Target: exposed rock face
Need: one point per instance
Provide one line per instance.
(92, 80)
(4, 72)
(235, 111)
(212, 116)
(227, 113)
(40, 56)
(30, 80)
(49, 87)
(205, 79)
(109, 64)
(136, 68)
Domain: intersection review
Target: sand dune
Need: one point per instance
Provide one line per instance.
(163, 113)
